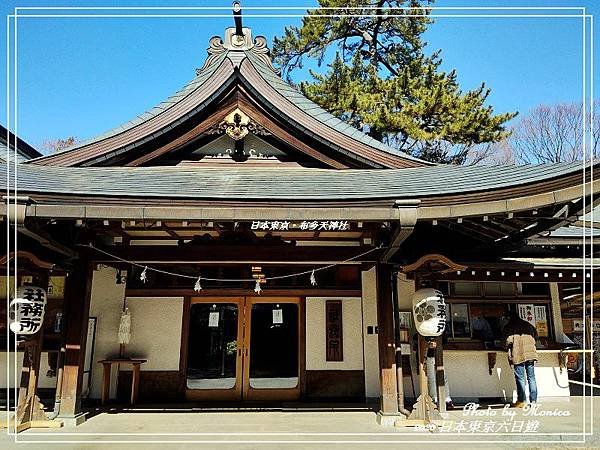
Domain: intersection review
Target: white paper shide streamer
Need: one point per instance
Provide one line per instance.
(143, 275)
(197, 286)
(125, 327)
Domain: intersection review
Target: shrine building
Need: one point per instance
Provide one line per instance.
(257, 250)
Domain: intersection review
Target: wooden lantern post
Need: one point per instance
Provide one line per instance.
(30, 411)
(424, 410)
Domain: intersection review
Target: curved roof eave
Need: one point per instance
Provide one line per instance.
(197, 82)
(341, 136)
(485, 183)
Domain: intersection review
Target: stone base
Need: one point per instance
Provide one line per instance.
(389, 420)
(72, 421)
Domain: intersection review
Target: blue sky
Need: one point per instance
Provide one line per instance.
(82, 76)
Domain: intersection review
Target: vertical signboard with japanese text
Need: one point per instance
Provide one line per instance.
(333, 329)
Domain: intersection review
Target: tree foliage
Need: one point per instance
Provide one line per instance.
(382, 82)
(56, 145)
(555, 133)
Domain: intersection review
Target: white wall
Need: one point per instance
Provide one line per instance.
(155, 328)
(406, 289)
(351, 334)
(468, 375)
(106, 305)
(43, 381)
(156, 331)
(370, 343)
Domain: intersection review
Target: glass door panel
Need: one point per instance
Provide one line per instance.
(243, 349)
(212, 361)
(273, 346)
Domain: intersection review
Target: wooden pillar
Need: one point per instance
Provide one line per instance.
(29, 408)
(440, 376)
(387, 351)
(555, 311)
(76, 309)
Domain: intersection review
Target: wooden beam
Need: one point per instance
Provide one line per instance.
(186, 138)
(171, 232)
(76, 308)
(450, 265)
(387, 351)
(407, 215)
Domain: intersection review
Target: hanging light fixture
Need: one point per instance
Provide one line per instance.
(257, 287)
(198, 286)
(143, 275)
(313, 279)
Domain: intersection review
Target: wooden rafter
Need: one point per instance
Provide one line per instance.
(22, 254)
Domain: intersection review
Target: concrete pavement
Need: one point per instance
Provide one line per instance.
(551, 423)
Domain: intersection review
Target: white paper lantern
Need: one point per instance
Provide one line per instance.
(429, 312)
(27, 310)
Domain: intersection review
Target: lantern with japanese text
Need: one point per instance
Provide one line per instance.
(27, 310)
(429, 312)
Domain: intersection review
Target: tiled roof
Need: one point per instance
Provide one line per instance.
(11, 155)
(267, 183)
(574, 232)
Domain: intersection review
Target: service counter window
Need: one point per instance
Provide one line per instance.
(465, 289)
(480, 325)
(458, 323)
(478, 310)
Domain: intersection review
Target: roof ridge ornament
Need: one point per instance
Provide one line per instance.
(237, 125)
(237, 39)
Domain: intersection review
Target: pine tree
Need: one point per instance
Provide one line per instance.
(382, 81)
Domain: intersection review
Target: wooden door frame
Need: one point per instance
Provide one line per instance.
(250, 393)
(257, 394)
(232, 394)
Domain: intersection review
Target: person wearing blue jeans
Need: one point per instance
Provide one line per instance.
(523, 370)
(522, 353)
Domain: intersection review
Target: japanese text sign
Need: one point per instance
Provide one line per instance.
(27, 310)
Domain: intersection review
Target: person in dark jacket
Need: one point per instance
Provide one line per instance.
(520, 338)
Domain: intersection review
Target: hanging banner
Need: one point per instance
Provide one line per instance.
(124, 334)
(429, 312)
(277, 316)
(526, 313)
(213, 319)
(27, 310)
(541, 322)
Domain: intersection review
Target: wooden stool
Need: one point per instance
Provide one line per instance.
(135, 379)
